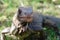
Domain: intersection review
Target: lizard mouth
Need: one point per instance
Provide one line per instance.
(26, 19)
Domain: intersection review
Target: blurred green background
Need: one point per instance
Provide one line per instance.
(46, 7)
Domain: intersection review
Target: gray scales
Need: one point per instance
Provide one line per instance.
(37, 22)
(39, 19)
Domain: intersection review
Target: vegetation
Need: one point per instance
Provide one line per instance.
(46, 7)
